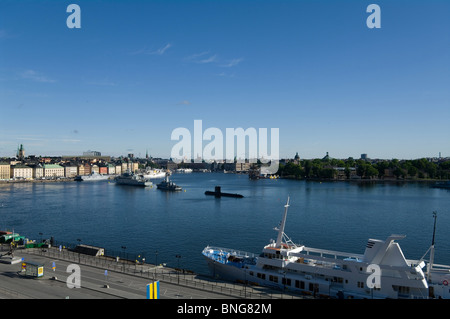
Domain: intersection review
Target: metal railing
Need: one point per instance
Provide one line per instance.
(175, 276)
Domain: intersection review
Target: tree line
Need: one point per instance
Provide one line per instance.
(363, 169)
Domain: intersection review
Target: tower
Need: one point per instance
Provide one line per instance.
(20, 152)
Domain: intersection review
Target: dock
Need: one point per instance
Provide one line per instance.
(108, 278)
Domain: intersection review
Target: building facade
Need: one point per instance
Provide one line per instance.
(21, 172)
(5, 171)
(111, 169)
(53, 171)
(70, 171)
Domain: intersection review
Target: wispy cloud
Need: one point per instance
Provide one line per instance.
(184, 102)
(68, 140)
(207, 57)
(159, 51)
(43, 140)
(232, 63)
(30, 138)
(196, 56)
(210, 59)
(35, 76)
(202, 58)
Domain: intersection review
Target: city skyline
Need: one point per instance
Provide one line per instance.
(137, 70)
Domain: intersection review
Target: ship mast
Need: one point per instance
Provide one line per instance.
(430, 266)
(283, 223)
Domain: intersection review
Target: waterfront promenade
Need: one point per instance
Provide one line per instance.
(107, 278)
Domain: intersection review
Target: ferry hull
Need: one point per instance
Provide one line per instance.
(225, 272)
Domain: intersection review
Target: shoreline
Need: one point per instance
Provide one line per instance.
(36, 181)
(322, 180)
(367, 180)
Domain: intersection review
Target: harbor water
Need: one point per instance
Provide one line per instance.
(174, 227)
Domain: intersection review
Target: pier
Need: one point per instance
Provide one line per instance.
(104, 277)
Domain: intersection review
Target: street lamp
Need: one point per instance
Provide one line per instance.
(178, 257)
(156, 261)
(40, 241)
(79, 248)
(125, 257)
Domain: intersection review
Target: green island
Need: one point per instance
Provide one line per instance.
(327, 168)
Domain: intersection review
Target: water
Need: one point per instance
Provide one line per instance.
(335, 215)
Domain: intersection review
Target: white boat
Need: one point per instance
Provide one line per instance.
(381, 272)
(154, 174)
(184, 170)
(131, 179)
(94, 176)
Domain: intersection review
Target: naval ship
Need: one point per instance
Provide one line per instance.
(131, 179)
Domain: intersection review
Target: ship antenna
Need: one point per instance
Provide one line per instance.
(283, 223)
(431, 250)
(434, 227)
(432, 246)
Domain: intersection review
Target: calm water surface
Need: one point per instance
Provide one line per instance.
(335, 215)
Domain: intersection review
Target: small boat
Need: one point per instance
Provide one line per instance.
(168, 185)
(218, 193)
(184, 170)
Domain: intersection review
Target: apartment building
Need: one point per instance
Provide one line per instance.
(20, 171)
(53, 170)
(5, 171)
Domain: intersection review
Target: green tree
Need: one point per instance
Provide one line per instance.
(371, 171)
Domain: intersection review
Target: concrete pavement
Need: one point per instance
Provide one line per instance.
(103, 278)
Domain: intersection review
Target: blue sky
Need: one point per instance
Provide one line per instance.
(136, 70)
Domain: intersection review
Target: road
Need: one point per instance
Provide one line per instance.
(101, 279)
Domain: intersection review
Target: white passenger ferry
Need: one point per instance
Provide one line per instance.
(381, 272)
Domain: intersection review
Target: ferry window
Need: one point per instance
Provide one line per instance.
(360, 284)
(403, 290)
(251, 273)
(299, 284)
(286, 281)
(273, 278)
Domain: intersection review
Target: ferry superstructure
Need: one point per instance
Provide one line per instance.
(92, 177)
(154, 174)
(381, 272)
(131, 179)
